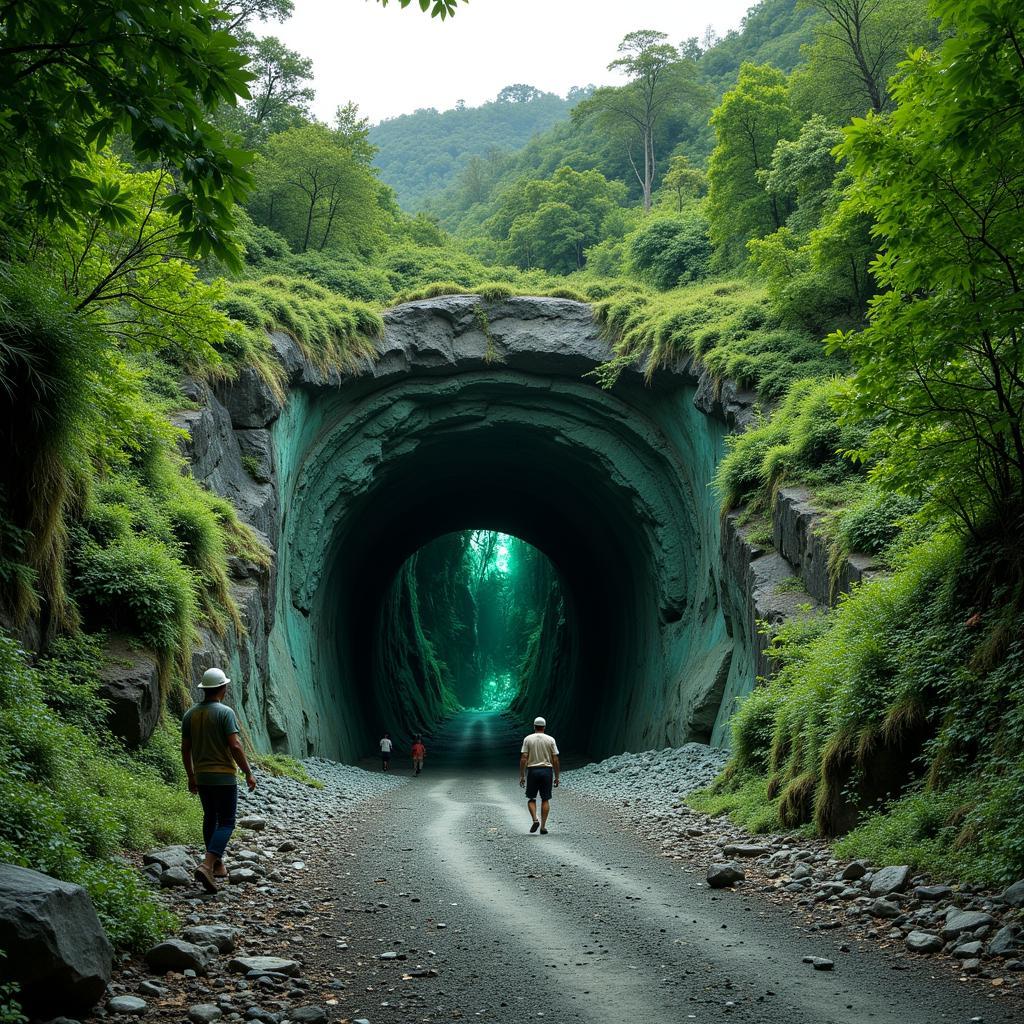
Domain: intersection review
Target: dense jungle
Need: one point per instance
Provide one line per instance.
(817, 217)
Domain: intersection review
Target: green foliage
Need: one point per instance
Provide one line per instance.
(941, 364)
(749, 123)
(332, 331)
(70, 799)
(670, 251)
(725, 325)
(10, 1008)
(152, 71)
(803, 442)
(746, 803)
(280, 765)
(462, 143)
(550, 223)
(317, 190)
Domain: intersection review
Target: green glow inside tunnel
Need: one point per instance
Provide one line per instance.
(481, 596)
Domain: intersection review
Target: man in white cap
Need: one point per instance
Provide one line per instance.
(210, 749)
(538, 772)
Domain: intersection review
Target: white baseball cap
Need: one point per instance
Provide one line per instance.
(213, 679)
(539, 721)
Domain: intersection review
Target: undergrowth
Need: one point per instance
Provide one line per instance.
(896, 720)
(71, 798)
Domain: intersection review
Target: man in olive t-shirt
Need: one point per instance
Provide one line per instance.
(210, 749)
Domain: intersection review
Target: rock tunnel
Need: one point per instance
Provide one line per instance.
(485, 418)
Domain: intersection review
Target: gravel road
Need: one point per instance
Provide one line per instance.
(450, 909)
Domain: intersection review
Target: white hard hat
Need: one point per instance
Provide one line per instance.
(213, 679)
(540, 721)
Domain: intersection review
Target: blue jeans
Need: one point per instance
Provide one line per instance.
(219, 806)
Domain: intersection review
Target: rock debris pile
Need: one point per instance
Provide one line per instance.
(980, 932)
(653, 778)
(239, 956)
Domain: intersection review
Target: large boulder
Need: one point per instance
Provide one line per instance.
(56, 948)
(130, 684)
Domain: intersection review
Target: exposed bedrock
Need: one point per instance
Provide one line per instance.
(473, 421)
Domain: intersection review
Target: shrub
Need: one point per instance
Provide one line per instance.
(71, 798)
(282, 765)
(668, 251)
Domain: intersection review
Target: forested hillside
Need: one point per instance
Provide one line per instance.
(420, 153)
(824, 207)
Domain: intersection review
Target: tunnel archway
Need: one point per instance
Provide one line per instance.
(467, 423)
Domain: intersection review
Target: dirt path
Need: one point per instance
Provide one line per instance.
(483, 920)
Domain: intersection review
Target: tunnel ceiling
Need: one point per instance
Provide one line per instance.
(454, 428)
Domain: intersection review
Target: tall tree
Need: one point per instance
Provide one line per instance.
(657, 79)
(749, 123)
(857, 46)
(941, 364)
(314, 190)
(280, 93)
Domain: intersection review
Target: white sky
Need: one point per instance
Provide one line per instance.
(392, 61)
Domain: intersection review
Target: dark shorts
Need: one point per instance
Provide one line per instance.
(539, 781)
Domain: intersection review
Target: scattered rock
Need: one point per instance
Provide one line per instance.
(253, 822)
(170, 857)
(205, 1013)
(960, 921)
(1008, 941)
(745, 850)
(219, 935)
(127, 1005)
(933, 893)
(924, 942)
(968, 950)
(308, 1015)
(820, 963)
(240, 876)
(264, 965)
(171, 877)
(1014, 895)
(725, 874)
(178, 955)
(56, 948)
(884, 908)
(889, 880)
(854, 870)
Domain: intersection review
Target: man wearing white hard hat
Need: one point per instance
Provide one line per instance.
(210, 749)
(538, 772)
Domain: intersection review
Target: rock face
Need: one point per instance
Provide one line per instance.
(480, 412)
(130, 684)
(56, 948)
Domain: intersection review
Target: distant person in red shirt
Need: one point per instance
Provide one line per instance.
(418, 753)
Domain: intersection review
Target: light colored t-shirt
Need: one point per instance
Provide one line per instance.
(208, 726)
(539, 748)
(385, 746)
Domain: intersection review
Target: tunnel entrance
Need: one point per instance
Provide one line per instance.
(478, 419)
(471, 607)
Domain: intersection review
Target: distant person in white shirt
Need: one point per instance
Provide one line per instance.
(538, 772)
(385, 752)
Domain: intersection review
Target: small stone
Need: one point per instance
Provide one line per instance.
(968, 950)
(253, 822)
(890, 879)
(308, 1015)
(286, 847)
(171, 877)
(932, 893)
(820, 963)
(1014, 895)
(178, 955)
(264, 965)
(745, 850)
(884, 908)
(220, 935)
(204, 1013)
(854, 870)
(241, 876)
(1007, 941)
(725, 874)
(126, 1005)
(924, 942)
(151, 988)
(960, 921)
